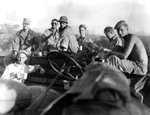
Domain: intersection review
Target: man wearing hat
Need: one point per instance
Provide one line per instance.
(25, 39)
(134, 59)
(68, 41)
(18, 71)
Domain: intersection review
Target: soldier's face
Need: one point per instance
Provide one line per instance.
(54, 24)
(25, 26)
(109, 35)
(122, 31)
(63, 24)
(22, 58)
(82, 32)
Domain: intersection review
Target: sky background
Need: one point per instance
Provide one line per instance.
(96, 14)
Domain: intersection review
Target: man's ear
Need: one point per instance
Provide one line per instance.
(26, 58)
(126, 26)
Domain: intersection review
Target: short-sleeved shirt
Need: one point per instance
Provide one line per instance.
(51, 37)
(17, 72)
(85, 44)
(115, 43)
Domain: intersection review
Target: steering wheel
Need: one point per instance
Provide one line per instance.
(64, 64)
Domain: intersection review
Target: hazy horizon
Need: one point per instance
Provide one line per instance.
(96, 14)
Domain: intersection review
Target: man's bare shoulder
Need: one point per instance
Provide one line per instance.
(135, 37)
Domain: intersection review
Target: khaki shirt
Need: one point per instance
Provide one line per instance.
(85, 44)
(51, 37)
(23, 40)
(114, 43)
(68, 40)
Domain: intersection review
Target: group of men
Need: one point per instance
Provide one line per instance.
(132, 57)
(125, 51)
(103, 89)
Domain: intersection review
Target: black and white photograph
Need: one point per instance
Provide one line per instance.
(74, 57)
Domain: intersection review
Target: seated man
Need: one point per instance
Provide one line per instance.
(18, 71)
(115, 43)
(86, 46)
(25, 39)
(84, 42)
(51, 36)
(67, 40)
(134, 59)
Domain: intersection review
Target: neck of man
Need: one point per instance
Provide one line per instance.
(53, 29)
(20, 63)
(126, 36)
(25, 29)
(113, 38)
(83, 36)
(64, 27)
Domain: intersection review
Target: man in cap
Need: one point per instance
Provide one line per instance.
(102, 90)
(51, 36)
(68, 41)
(25, 39)
(134, 59)
(18, 71)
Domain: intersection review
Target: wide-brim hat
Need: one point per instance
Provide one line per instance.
(63, 19)
(26, 21)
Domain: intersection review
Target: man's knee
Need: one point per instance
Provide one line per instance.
(113, 57)
(113, 60)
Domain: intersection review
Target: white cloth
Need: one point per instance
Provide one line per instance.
(17, 72)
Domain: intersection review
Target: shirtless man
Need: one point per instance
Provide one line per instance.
(134, 59)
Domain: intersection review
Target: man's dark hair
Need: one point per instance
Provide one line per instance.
(54, 20)
(108, 29)
(121, 23)
(82, 26)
